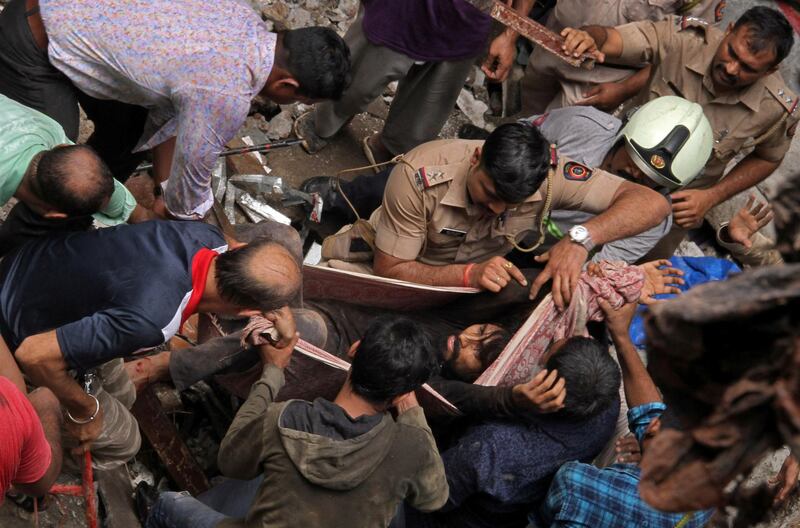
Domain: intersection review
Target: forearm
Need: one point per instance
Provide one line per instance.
(747, 173)
(419, 273)
(635, 209)
(523, 8)
(607, 40)
(476, 401)
(639, 386)
(162, 160)
(634, 84)
(47, 368)
(242, 446)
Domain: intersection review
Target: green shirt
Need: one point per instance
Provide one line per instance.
(24, 132)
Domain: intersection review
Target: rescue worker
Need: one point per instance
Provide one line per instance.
(732, 74)
(453, 208)
(552, 83)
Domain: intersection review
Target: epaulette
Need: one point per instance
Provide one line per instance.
(787, 99)
(427, 177)
(691, 22)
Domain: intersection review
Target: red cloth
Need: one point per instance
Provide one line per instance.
(201, 262)
(25, 454)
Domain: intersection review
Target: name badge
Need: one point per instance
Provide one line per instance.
(453, 232)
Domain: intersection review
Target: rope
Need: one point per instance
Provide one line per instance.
(543, 219)
(394, 160)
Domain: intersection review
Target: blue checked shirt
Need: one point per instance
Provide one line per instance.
(584, 496)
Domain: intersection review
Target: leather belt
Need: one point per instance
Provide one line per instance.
(36, 24)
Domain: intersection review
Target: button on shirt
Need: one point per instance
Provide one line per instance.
(439, 225)
(585, 496)
(681, 50)
(24, 133)
(107, 293)
(194, 65)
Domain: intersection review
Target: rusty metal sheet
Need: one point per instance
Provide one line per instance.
(533, 31)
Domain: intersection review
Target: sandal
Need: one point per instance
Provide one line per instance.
(304, 129)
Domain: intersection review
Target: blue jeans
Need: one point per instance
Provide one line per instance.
(179, 509)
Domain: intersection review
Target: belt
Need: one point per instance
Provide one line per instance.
(36, 24)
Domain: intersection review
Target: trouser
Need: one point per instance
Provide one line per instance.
(426, 93)
(762, 253)
(22, 225)
(181, 510)
(119, 439)
(27, 76)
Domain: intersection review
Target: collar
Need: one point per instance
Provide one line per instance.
(701, 64)
(201, 262)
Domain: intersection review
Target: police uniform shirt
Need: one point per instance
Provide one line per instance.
(681, 50)
(427, 214)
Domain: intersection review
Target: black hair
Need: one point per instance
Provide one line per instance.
(592, 377)
(72, 186)
(767, 28)
(516, 157)
(395, 356)
(491, 346)
(237, 284)
(320, 61)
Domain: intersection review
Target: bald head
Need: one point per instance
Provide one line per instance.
(72, 179)
(262, 275)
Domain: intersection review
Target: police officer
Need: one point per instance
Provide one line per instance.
(552, 83)
(669, 130)
(732, 74)
(453, 208)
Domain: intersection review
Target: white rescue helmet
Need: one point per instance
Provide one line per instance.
(669, 139)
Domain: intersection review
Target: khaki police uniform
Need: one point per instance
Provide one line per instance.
(762, 116)
(681, 49)
(427, 214)
(551, 83)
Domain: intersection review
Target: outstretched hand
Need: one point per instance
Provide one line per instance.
(748, 220)
(659, 277)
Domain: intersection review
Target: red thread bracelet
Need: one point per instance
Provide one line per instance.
(465, 279)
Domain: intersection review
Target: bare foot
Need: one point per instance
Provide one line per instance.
(148, 370)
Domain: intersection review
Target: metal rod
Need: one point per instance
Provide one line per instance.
(263, 147)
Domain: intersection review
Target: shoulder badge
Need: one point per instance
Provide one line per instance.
(719, 11)
(425, 178)
(685, 22)
(575, 171)
(785, 97)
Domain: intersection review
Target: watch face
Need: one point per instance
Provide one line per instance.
(578, 233)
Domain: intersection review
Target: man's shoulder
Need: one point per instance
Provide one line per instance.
(438, 162)
(779, 98)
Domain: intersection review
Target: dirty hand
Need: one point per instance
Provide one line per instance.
(87, 433)
(545, 393)
(278, 355)
(786, 479)
(748, 220)
(659, 278)
(500, 57)
(605, 96)
(689, 207)
(628, 450)
(495, 274)
(284, 323)
(564, 263)
(578, 42)
(618, 320)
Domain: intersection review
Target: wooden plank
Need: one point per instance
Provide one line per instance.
(171, 449)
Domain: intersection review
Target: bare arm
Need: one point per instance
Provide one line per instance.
(633, 210)
(608, 96)
(47, 408)
(9, 367)
(41, 358)
(502, 50)
(493, 274)
(691, 205)
(639, 386)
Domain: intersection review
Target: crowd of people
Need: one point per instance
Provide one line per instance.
(611, 165)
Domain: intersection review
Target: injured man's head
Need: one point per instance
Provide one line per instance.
(469, 353)
(591, 376)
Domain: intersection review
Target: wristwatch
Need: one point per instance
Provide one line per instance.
(580, 235)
